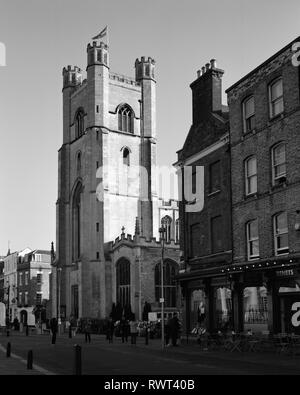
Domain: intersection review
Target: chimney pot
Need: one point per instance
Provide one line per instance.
(203, 70)
(198, 73)
(213, 63)
(207, 66)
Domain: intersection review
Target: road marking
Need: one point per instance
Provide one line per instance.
(35, 367)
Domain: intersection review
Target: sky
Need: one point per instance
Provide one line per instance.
(42, 36)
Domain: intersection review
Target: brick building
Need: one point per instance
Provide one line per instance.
(107, 180)
(205, 221)
(33, 271)
(264, 109)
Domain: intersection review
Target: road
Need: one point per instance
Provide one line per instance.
(102, 358)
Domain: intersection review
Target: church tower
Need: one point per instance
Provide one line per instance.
(107, 166)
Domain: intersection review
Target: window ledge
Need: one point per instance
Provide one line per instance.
(276, 117)
(280, 185)
(248, 133)
(251, 196)
(214, 193)
(253, 259)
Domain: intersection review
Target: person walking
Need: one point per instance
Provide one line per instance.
(54, 329)
(87, 331)
(110, 330)
(174, 329)
(124, 330)
(133, 329)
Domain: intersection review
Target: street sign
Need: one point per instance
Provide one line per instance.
(161, 300)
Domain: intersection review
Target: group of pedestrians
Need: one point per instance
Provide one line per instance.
(87, 328)
(126, 327)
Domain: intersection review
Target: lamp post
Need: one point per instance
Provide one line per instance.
(162, 232)
(58, 298)
(8, 297)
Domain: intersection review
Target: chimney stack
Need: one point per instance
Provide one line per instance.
(207, 92)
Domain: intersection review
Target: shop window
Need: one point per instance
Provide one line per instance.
(223, 309)
(255, 309)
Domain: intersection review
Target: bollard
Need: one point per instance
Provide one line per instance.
(27, 330)
(29, 360)
(70, 332)
(8, 350)
(7, 332)
(77, 360)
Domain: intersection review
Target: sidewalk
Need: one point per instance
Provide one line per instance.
(14, 365)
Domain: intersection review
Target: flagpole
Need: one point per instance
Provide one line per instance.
(107, 41)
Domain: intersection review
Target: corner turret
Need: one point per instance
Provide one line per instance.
(144, 69)
(97, 54)
(72, 76)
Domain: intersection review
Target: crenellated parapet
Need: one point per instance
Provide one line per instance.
(97, 54)
(141, 241)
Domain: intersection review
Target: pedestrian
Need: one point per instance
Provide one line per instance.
(168, 332)
(133, 329)
(16, 324)
(54, 329)
(110, 330)
(87, 331)
(174, 329)
(124, 326)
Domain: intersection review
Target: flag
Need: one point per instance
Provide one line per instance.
(101, 34)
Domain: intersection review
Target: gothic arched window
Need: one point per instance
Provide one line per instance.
(76, 223)
(123, 282)
(126, 119)
(169, 285)
(79, 123)
(166, 223)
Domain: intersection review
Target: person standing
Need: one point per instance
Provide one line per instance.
(133, 329)
(54, 329)
(167, 332)
(174, 329)
(87, 331)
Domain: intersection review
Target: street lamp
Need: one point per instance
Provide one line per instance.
(59, 269)
(162, 232)
(8, 297)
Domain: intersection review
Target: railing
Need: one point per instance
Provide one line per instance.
(256, 316)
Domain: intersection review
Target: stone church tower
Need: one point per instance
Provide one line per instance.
(106, 181)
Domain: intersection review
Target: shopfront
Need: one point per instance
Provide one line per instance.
(261, 298)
